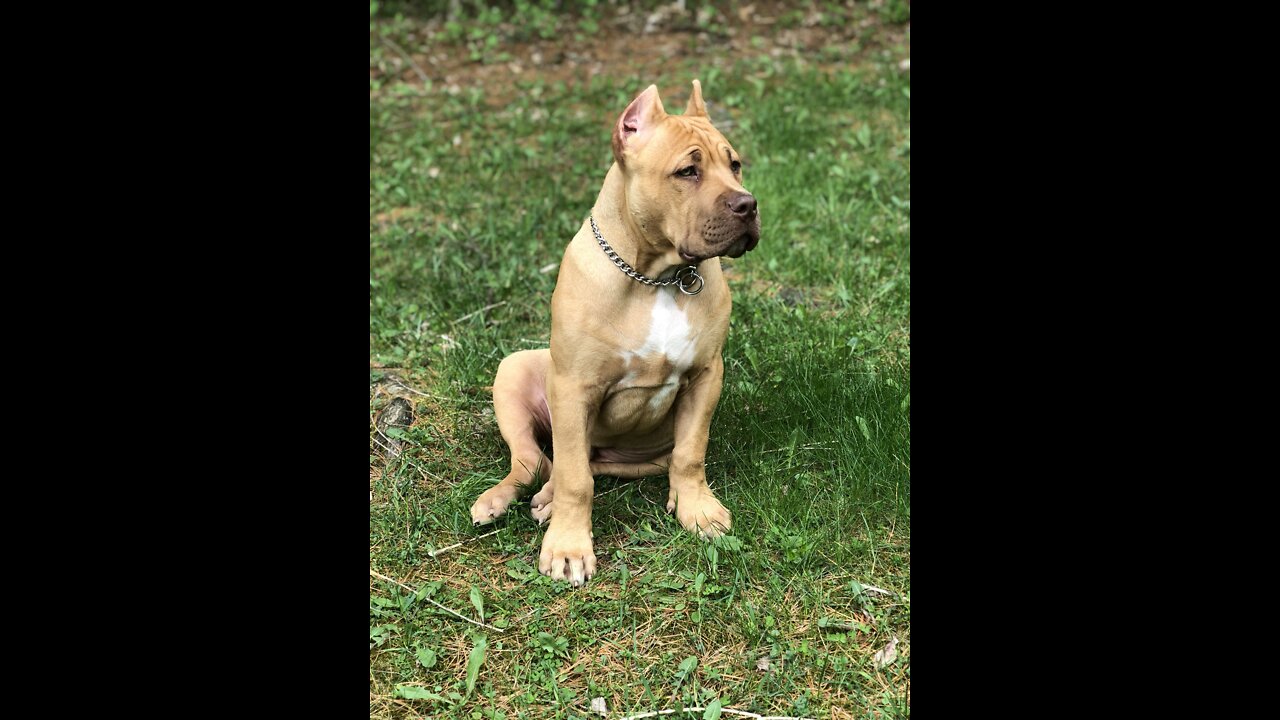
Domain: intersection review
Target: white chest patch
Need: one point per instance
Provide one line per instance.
(669, 333)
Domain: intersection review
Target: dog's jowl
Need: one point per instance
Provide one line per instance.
(638, 321)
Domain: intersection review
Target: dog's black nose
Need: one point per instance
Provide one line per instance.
(741, 204)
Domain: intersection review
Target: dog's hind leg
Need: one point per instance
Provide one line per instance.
(519, 403)
(541, 504)
(632, 471)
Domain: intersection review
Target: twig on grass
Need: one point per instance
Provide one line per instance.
(400, 51)
(434, 553)
(380, 576)
(428, 395)
(399, 381)
(798, 447)
(477, 312)
(405, 459)
(727, 711)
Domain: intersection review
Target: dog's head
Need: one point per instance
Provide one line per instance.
(683, 179)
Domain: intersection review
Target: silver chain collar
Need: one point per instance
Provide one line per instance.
(685, 278)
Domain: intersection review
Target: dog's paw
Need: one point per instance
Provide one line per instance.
(492, 504)
(540, 505)
(700, 512)
(568, 555)
(541, 513)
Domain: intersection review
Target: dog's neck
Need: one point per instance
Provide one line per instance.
(648, 252)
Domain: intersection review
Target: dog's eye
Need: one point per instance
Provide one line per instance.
(735, 166)
(687, 172)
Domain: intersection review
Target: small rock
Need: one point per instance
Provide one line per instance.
(398, 414)
(598, 706)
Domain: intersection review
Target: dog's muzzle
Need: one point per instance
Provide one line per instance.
(731, 231)
(742, 206)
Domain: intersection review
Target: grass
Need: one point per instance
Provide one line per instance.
(475, 186)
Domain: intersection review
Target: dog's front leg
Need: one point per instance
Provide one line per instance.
(693, 502)
(567, 552)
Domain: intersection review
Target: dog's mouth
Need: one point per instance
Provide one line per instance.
(743, 245)
(736, 248)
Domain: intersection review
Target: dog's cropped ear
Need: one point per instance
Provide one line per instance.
(696, 106)
(637, 121)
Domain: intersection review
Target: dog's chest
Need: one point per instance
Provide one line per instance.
(671, 341)
(654, 366)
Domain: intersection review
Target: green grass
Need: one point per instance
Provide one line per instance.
(470, 194)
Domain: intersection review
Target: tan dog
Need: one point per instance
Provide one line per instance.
(634, 371)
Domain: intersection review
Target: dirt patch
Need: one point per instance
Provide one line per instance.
(631, 41)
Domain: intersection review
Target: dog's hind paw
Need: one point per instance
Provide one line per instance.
(540, 505)
(541, 513)
(492, 504)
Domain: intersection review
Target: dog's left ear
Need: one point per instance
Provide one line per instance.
(696, 106)
(637, 121)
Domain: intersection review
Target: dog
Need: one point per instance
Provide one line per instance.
(638, 322)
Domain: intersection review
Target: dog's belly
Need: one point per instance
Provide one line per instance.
(639, 410)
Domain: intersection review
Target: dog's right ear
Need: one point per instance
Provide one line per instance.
(696, 106)
(637, 121)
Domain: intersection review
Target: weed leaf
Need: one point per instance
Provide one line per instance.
(426, 656)
(428, 590)
(413, 692)
(474, 661)
(686, 667)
